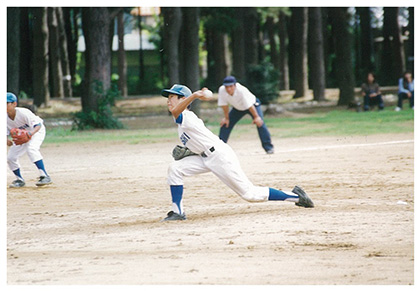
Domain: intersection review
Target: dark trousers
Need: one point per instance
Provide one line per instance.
(236, 115)
(370, 101)
(402, 96)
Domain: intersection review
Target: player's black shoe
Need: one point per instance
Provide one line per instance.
(43, 180)
(17, 184)
(304, 200)
(174, 216)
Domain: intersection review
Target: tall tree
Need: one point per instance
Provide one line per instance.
(316, 53)
(283, 56)
(172, 17)
(72, 34)
(13, 49)
(410, 42)
(65, 66)
(274, 51)
(250, 23)
(300, 16)
(122, 60)
(97, 79)
(393, 60)
(343, 47)
(26, 49)
(366, 41)
(56, 75)
(190, 51)
(40, 57)
(238, 44)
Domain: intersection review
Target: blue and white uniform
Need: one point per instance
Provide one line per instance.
(25, 119)
(213, 156)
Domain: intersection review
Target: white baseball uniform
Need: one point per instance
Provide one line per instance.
(213, 155)
(25, 119)
(242, 99)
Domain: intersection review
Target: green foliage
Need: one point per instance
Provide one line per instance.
(219, 18)
(263, 81)
(102, 118)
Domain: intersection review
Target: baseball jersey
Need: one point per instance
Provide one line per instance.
(24, 119)
(242, 99)
(194, 134)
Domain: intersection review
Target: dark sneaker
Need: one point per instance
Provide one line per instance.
(17, 184)
(270, 151)
(43, 180)
(304, 200)
(174, 216)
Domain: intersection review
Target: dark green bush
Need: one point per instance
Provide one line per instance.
(103, 118)
(263, 82)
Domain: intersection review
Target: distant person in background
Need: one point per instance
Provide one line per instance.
(371, 93)
(405, 90)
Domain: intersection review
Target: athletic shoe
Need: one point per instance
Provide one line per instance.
(43, 180)
(397, 109)
(174, 216)
(304, 200)
(17, 184)
(270, 151)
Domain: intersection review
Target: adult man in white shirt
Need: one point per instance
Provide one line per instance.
(242, 102)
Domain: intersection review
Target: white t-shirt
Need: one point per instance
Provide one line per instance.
(242, 99)
(24, 119)
(194, 134)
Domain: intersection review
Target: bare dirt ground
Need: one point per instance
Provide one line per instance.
(99, 223)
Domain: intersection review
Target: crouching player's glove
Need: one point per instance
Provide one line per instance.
(20, 136)
(180, 152)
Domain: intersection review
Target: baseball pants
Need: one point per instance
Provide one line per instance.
(236, 115)
(224, 163)
(31, 148)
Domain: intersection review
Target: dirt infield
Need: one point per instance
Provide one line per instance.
(99, 222)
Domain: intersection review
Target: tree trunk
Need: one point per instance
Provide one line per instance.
(393, 64)
(122, 60)
(216, 58)
(64, 54)
(190, 52)
(316, 52)
(98, 57)
(397, 43)
(410, 42)
(274, 52)
(283, 56)
(238, 45)
(343, 46)
(25, 57)
(250, 24)
(72, 35)
(172, 24)
(13, 49)
(40, 57)
(55, 58)
(301, 52)
(366, 43)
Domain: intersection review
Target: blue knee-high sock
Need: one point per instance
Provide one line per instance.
(275, 194)
(17, 174)
(40, 165)
(176, 192)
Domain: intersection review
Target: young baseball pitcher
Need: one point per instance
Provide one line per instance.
(205, 152)
(28, 132)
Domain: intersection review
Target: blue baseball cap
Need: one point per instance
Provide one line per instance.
(179, 90)
(11, 97)
(229, 80)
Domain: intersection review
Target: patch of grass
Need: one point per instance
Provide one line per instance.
(337, 122)
(61, 135)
